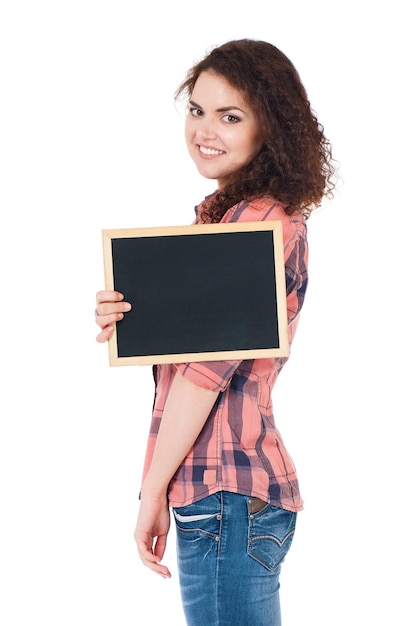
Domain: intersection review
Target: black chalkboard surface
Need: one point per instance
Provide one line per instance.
(199, 293)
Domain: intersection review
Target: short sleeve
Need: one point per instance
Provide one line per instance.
(213, 375)
(296, 269)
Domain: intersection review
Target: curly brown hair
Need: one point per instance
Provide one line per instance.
(295, 164)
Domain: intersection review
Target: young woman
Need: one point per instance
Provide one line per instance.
(214, 454)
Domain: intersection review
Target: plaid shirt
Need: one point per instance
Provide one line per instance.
(239, 448)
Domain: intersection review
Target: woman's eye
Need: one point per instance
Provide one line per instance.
(231, 119)
(195, 111)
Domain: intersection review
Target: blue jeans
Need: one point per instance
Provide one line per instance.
(230, 549)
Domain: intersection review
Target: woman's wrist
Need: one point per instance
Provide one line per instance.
(154, 487)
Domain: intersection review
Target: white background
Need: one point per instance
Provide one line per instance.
(90, 139)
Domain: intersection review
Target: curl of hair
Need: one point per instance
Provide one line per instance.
(295, 164)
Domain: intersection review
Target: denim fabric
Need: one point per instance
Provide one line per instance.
(229, 560)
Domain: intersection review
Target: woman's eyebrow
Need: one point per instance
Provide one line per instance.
(231, 108)
(220, 110)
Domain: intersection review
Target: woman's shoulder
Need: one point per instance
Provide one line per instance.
(265, 208)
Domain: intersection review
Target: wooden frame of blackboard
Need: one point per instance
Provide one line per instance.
(202, 292)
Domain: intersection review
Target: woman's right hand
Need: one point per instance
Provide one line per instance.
(109, 310)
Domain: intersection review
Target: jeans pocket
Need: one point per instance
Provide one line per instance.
(200, 518)
(270, 536)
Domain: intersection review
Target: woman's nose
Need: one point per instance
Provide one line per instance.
(207, 128)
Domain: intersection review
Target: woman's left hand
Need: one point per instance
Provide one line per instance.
(151, 531)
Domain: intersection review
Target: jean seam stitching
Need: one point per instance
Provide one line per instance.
(218, 557)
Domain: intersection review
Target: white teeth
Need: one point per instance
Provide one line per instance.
(209, 151)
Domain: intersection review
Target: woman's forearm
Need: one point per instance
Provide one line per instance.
(186, 411)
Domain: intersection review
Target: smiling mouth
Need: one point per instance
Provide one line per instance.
(210, 151)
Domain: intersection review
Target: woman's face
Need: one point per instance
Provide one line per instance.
(221, 131)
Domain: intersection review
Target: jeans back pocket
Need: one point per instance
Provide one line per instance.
(270, 535)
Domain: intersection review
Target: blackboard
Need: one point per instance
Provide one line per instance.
(198, 293)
